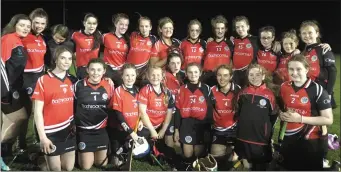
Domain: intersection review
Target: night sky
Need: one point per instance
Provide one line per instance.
(283, 15)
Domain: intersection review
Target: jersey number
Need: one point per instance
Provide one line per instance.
(95, 97)
(293, 100)
(226, 103)
(158, 104)
(192, 100)
(218, 48)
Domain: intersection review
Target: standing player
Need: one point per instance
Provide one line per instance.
(53, 113)
(245, 49)
(35, 46)
(306, 107)
(93, 98)
(159, 51)
(125, 106)
(266, 56)
(116, 47)
(218, 52)
(13, 61)
(256, 103)
(193, 114)
(225, 100)
(141, 44)
(60, 36)
(87, 41)
(193, 48)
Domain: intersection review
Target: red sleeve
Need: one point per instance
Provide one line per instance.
(38, 93)
(143, 95)
(117, 100)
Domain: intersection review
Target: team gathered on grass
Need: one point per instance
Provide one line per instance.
(216, 100)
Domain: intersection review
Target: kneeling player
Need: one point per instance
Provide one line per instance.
(93, 95)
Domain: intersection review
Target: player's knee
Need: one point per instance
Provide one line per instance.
(83, 167)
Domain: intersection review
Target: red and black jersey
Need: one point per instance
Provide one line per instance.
(92, 103)
(245, 52)
(223, 113)
(307, 101)
(125, 102)
(58, 99)
(172, 83)
(322, 66)
(255, 105)
(84, 51)
(268, 59)
(160, 48)
(115, 50)
(282, 69)
(195, 103)
(217, 53)
(36, 50)
(192, 52)
(13, 61)
(157, 104)
(140, 49)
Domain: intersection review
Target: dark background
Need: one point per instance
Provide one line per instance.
(283, 15)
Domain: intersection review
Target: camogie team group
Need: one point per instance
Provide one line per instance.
(221, 97)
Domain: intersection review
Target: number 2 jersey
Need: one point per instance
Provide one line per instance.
(92, 102)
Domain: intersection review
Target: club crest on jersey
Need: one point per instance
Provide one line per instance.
(304, 100)
(201, 99)
(149, 43)
(171, 129)
(188, 139)
(15, 95)
(29, 90)
(64, 90)
(201, 49)
(314, 58)
(226, 48)
(81, 145)
(105, 96)
(262, 102)
(248, 45)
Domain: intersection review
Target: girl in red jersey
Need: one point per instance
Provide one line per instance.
(141, 44)
(256, 105)
(306, 108)
(116, 47)
(13, 61)
(53, 113)
(87, 41)
(93, 98)
(36, 49)
(225, 100)
(193, 48)
(159, 50)
(126, 113)
(322, 62)
(193, 114)
(289, 44)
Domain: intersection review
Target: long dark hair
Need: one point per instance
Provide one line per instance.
(10, 27)
(174, 52)
(97, 34)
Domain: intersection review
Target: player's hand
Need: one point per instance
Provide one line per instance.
(326, 47)
(140, 126)
(162, 133)
(134, 136)
(111, 83)
(296, 51)
(176, 135)
(276, 47)
(154, 134)
(290, 116)
(47, 146)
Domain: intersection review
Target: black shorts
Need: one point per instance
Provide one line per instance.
(170, 129)
(64, 140)
(227, 137)
(81, 72)
(253, 153)
(194, 131)
(300, 154)
(30, 81)
(92, 140)
(12, 102)
(114, 75)
(118, 138)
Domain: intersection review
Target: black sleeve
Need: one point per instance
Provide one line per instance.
(239, 105)
(209, 97)
(203, 44)
(323, 100)
(123, 122)
(171, 101)
(254, 41)
(177, 119)
(231, 46)
(329, 64)
(15, 65)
